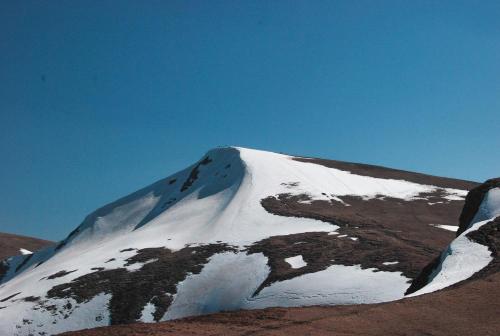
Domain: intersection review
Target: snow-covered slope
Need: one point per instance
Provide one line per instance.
(204, 240)
(470, 252)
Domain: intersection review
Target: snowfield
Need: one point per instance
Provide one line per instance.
(215, 201)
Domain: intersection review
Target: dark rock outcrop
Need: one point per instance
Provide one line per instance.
(473, 201)
(488, 235)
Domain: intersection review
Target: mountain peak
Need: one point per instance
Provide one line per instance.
(231, 226)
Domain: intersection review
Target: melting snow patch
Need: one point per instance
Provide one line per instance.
(337, 285)
(453, 228)
(296, 262)
(225, 283)
(147, 313)
(137, 266)
(490, 206)
(353, 238)
(24, 251)
(387, 263)
(460, 261)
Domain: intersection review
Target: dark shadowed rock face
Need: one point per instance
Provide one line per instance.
(473, 201)
(193, 175)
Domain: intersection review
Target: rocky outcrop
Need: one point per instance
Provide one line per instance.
(473, 201)
(487, 234)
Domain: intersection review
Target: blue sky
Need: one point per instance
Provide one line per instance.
(100, 98)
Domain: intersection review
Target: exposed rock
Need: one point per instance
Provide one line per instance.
(60, 274)
(193, 175)
(473, 201)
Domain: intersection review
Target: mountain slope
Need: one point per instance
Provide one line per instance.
(239, 229)
(11, 244)
(466, 281)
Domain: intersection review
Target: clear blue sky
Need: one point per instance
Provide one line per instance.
(99, 98)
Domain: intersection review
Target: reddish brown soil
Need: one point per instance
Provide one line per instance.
(11, 243)
(469, 309)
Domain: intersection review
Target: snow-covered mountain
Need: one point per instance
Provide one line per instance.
(239, 229)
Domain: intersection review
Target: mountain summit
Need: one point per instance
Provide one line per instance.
(239, 229)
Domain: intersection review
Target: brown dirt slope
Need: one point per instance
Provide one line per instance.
(11, 243)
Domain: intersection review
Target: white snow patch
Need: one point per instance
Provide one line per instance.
(387, 263)
(25, 252)
(460, 261)
(92, 313)
(337, 285)
(147, 313)
(453, 228)
(490, 206)
(225, 283)
(296, 262)
(137, 266)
